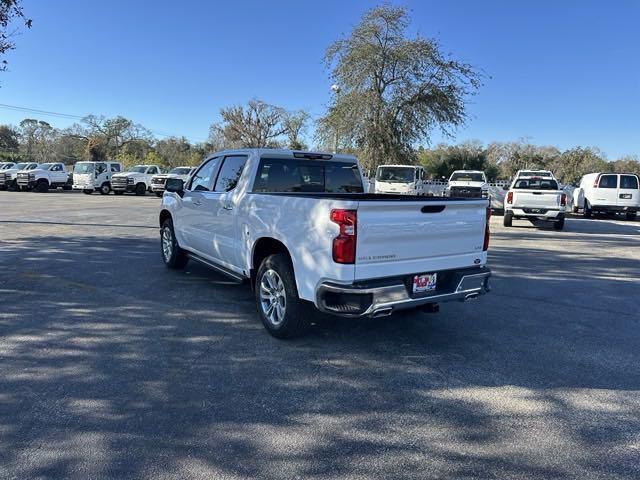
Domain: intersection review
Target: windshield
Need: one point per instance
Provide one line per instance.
(20, 166)
(83, 168)
(181, 171)
(138, 169)
(396, 174)
(467, 177)
(5, 166)
(536, 184)
(45, 166)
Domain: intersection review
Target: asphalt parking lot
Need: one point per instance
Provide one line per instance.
(114, 367)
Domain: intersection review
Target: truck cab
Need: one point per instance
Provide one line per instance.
(400, 179)
(158, 181)
(94, 176)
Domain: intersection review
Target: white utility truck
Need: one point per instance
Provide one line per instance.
(8, 177)
(94, 176)
(535, 195)
(158, 181)
(608, 193)
(136, 180)
(467, 184)
(44, 177)
(400, 179)
(300, 229)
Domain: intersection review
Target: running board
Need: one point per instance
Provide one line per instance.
(236, 277)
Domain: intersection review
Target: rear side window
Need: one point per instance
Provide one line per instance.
(285, 176)
(608, 181)
(115, 167)
(629, 182)
(536, 184)
(230, 173)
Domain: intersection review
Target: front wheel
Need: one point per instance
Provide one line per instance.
(86, 191)
(507, 220)
(105, 188)
(141, 189)
(42, 186)
(631, 215)
(281, 310)
(174, 257)
(559, 224)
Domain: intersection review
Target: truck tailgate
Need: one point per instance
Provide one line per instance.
(408, 237)
(536, 199)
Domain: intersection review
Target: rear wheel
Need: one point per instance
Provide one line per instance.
(118, 192)
(507, 220)
(141, 189)
(559, 224)
(87, 191)
(158, 194)
(281, 310)
(105, 188)
(586, 211)
(631, 215)
(174, 257)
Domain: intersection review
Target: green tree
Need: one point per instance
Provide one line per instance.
(393, 90)
(174, 151)
(10, 10)
(579, 161)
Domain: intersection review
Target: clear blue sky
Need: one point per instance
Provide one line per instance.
(563, 73)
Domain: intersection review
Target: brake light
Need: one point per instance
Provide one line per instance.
(487, 234)
(344, 245)
(509, 197)
(595, 184)
(563, 200)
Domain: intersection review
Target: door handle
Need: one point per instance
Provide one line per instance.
(227, 207)
(197, 203)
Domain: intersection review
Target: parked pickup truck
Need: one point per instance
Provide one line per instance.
(535, 195)
(137, 179)
(468, 183)
(300, 229)
(44, 177)
(8, 177)
(158, 181)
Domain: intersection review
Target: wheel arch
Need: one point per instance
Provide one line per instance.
(164, 215)
(262, 248)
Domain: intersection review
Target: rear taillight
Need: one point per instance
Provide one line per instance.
(344, 245)
(509, 197)
(485, 246)
(563, 200)
(595, 183)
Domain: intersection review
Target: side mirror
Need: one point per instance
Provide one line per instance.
(174, 185)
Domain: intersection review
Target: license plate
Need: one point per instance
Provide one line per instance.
(626, 196)
(424, 283)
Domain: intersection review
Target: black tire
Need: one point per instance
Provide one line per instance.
(87, 191)
(559, 224)
(293, 319)
(66, 188)
(574, 209)
(105, 188)
(173, 256)
(118, 192)
(586, 211)
(141, 189)
(42, 186)
(631, 215)
(158, 194)
(507, 220)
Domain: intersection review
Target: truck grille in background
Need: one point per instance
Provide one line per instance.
(158, 181)
(2, 179)
(120, 182)
(465, 192)
(23, 178)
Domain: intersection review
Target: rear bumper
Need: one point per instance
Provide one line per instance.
(540, 213)
(616, 208)
(382, 297)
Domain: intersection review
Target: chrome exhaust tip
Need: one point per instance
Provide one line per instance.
(383, 312)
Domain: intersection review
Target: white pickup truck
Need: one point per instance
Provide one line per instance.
(8, 176)
(535, 195)
(467, 184)
(158, 181)
(44, 177)
(299, 228)
(136, 180)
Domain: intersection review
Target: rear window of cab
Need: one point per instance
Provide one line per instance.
(536, 184)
